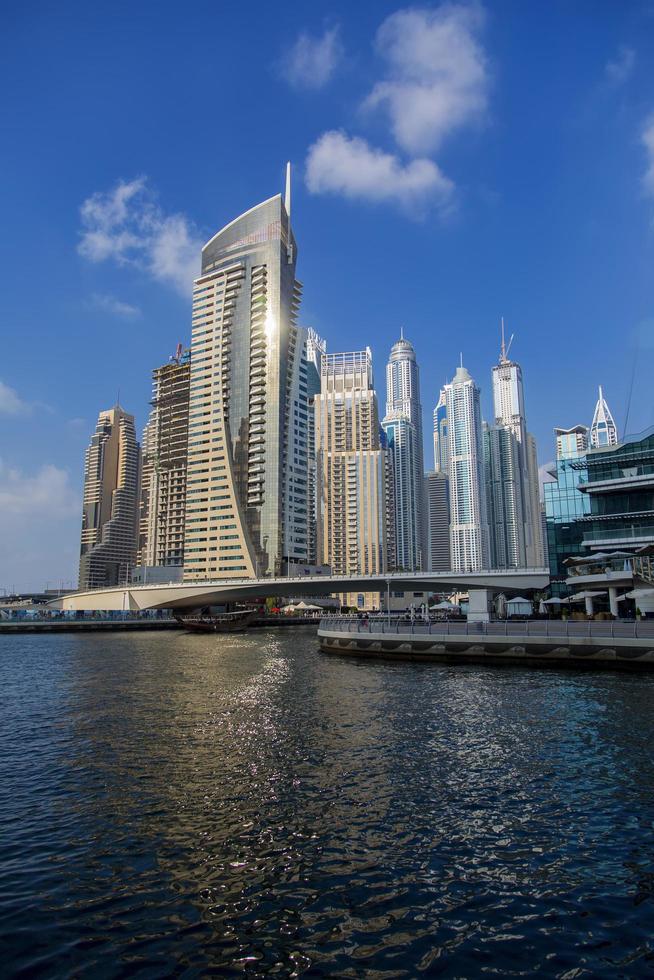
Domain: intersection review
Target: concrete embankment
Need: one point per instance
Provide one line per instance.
(595, 644)
(114, 625)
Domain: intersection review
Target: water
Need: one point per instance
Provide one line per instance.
(177, 805)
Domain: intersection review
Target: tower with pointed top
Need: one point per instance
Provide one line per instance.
(403, 425)
(511, 461)
(469, 545)
(247, 482)
(603, 431)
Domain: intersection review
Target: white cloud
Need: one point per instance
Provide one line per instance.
(619, 70)
(11, 403)
(437, 75)
(40, 520)
(339, 164)
(311, 61)
(127, 226)
(48, 490)
(102, 303)
(647, 138)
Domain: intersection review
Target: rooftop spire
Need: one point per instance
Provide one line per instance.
(287, 195)
(603, 431)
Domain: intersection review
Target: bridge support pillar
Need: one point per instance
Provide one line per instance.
(479, 605)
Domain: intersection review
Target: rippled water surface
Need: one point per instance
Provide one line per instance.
(177, 805)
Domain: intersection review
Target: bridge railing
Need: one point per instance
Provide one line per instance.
(607, 629)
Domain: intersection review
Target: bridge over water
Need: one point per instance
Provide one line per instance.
(480, 585)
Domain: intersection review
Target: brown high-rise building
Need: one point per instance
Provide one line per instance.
(109, 517)
(165, 454)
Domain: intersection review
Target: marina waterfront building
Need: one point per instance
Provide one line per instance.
(437, 519)
(469, 545)
(316, 347)
(403, 400)
(401, 441)
(247, 481)
(504, 497)
(522, 547)
(110, 501)
(163, 471)
(352, 468)
(603, 430)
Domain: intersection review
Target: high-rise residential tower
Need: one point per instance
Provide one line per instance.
(403, 400)
(469, 545)
(109, 515)
(603, 431)
(316, 347)
(351, 468)
(437, 519)
(401, 439)
(509, 406)
(504, 497)
(164, 453)
(247, 487)
(571, 442)
(440, 434)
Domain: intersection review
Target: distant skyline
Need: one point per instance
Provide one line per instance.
(452, 164)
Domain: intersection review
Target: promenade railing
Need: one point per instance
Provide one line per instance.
(606, 629)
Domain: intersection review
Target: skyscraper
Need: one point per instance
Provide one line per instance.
(316, 347)
(437, 519)
(401, 439)
(469, 546)
(351, 468)
(163, 479)
(403, 400)
(440, 434)
(109, 516)
(247, 488)
(504, 497)
(509, 406)
(571, 442)
(603, 431)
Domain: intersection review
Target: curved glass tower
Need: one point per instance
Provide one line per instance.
(247, 495)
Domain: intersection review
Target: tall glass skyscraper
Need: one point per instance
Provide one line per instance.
(403, 401)
(247, 489)
(469, 546)
(402, 448)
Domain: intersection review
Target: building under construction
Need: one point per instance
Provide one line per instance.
(165, 455)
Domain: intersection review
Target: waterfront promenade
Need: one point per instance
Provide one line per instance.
(538, 642)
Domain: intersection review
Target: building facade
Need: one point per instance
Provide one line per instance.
(164, 454)
(509, 410)
(351, 474)
(403, 401)
(110, 501)
(437, 513)
(571, 443)
(469, 545)
(504, 497)
(402, 450)
(247, 480)
(316, 347)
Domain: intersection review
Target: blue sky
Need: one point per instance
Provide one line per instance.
(453, 164)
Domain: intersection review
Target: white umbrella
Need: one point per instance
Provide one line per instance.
(554, 601)
(639, 594)
(306, 605)
(444, 605)
(581, 596)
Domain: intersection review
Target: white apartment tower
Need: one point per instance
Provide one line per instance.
(509, 410)
(109, 515)
(351, 472)
(469, 547)
(247, 486)
(403, 401)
